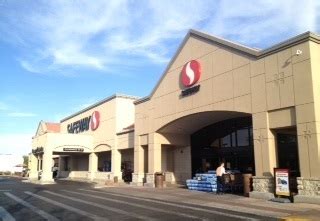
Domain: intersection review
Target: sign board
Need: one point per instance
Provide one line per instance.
(73, 149)
(190, 91)
(84, 124)
(38, 150)
(190, 75)
(282, 185)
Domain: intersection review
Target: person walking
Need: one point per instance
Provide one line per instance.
(219, 172)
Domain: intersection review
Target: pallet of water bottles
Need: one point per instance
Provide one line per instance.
(206, 182)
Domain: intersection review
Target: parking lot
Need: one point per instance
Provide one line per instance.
(68, 200)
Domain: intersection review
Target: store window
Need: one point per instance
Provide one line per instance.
(243, 137)
(230, 141)
(239, 138)
(226, 141)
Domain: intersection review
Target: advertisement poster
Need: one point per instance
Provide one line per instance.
(281, 182)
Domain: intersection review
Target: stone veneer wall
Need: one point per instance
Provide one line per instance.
(309, 186)
(263, 184)
(137, 179)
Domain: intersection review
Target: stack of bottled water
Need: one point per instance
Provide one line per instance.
(203, 182)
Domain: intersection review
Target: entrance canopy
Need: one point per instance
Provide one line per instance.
(72, 149)
(194, 122)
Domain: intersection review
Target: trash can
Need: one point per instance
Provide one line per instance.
(159, 179)
(39, 175)
(247, 183)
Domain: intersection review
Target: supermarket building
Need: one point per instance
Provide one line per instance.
(87, 144)
(216, 101)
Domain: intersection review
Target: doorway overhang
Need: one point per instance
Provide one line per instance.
(194, 122)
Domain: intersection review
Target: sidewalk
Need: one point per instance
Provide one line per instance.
(283, 211)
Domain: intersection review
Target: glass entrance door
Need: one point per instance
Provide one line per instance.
(288, 156)
(230, 141)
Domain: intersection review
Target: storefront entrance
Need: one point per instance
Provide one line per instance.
(229, 141)
(287, 154)
(71, 165)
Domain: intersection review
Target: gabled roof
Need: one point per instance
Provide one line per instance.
(40, 129)
(53, 127)
(47, 127)
(248, 51)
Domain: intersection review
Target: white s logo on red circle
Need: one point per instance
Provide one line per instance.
(95, 120)
(191, 73)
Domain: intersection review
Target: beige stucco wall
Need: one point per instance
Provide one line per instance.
(312, 124)
(115, 115)
(105, 133)
(126, 140)
(124, 113)
(279, 90)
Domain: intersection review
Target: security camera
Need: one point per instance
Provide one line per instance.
(298, 52)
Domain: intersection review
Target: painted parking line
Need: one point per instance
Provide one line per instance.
(116, 210)
(67, 207)
(42, 213)
(174, 205)
(136, 205)
(5, 216)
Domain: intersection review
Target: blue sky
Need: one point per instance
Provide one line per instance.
(57, 57)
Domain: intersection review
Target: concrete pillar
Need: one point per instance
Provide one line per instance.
(308, 148)
(264, 145)
(61, 165)
(154, 155)
(307, 101)
(139, 165)
(93, 165)
(47, 165)
(33, 162)
(116, 163)
(264, 156)
(154, 158)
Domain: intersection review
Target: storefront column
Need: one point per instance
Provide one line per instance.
(33, 162)
(307, 100)
(116, 164)
(93, 165)
(264, 157)
(154, 159)
(71, 163)
(60, 166)
(139, 165)
(309, 161)
(308, 145)
(47, 164)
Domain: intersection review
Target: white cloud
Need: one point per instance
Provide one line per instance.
(262, 23)
(26, 65)
(62, 35)
(15, 143)
(21, 114)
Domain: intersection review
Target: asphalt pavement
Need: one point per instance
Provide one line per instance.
(68, 200)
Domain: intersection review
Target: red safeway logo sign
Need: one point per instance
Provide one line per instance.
(95, 120)
(191, 73)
